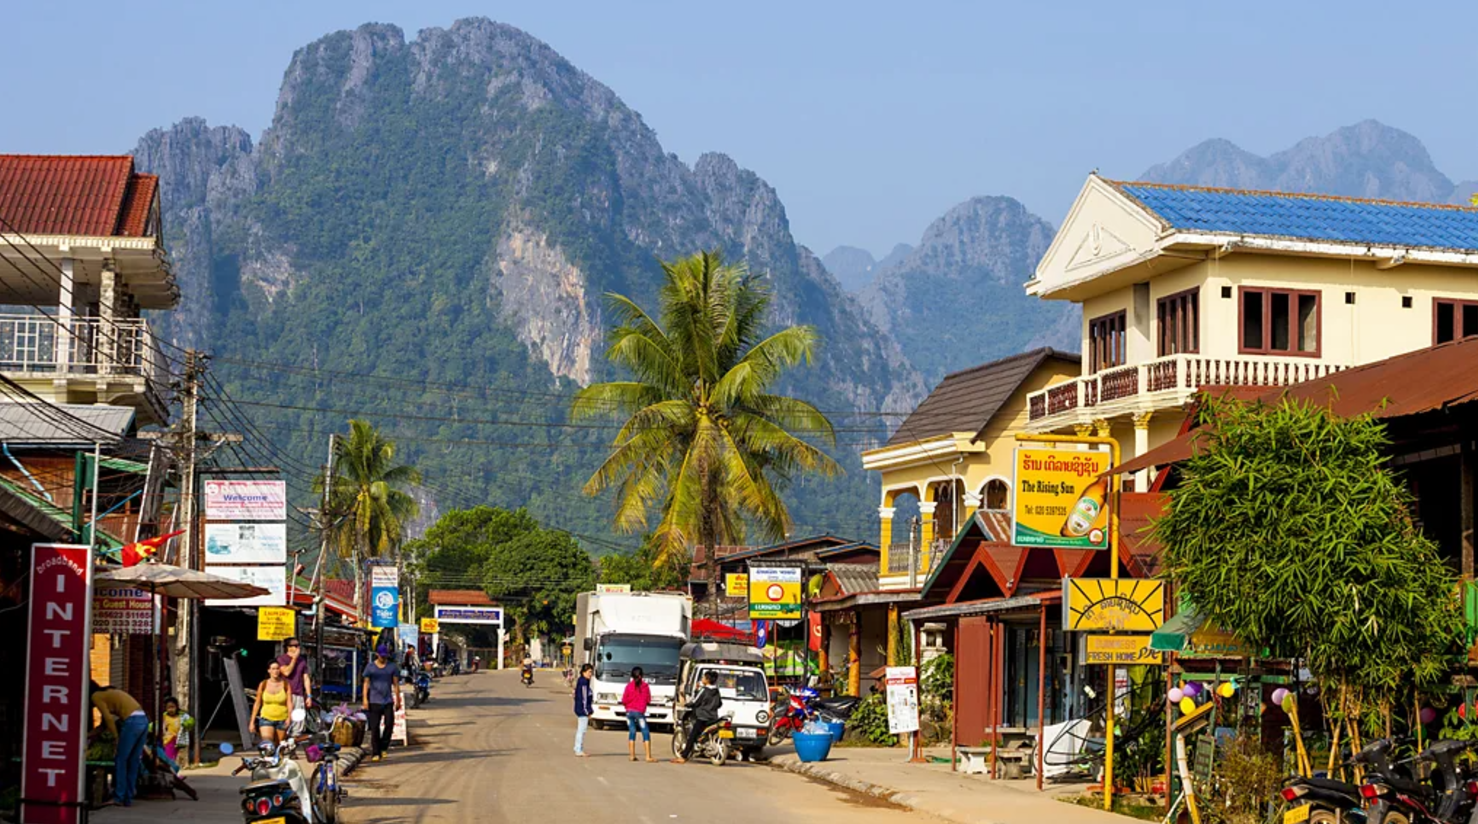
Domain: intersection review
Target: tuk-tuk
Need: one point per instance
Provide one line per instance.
(741, 683)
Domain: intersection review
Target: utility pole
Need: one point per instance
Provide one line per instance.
(318, 577)
(187, 624)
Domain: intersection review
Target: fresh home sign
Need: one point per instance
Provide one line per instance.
(57, 705)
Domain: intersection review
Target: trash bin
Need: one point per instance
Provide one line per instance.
(812, 746)
(836, 728)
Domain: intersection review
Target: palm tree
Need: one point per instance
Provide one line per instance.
(367, 505)
(703, 439)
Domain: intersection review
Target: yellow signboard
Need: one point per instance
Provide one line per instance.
(736, 585)
(775, 593)
(430, 626)
(276, 623)
(1122, 649)
(1060, 499)
(1106, 605)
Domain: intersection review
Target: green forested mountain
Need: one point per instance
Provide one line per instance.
(445, 214)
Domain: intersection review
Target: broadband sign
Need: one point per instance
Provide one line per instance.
(57, 706)
(775, 593)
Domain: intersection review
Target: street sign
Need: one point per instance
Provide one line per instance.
(1112, 604)
(1122, 649)
(384, 596)
(59, 635)
(775, 593)
(903, 699)
(430, 626)
(1061, 499)
(736, 585)
(276, 623)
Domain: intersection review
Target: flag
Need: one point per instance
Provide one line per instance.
(813, 618)
(761, 634)
(132, 554)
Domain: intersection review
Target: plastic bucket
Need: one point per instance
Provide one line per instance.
(812, 746)
(836, 728)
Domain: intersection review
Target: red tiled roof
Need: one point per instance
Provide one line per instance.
(75, 195)
(458, 597)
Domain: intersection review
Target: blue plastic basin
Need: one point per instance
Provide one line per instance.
(836, 728)
(812, 746)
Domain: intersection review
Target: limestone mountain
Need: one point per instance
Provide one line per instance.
(447, 213)
(851, 266)
(956, 300)
(1368, 159)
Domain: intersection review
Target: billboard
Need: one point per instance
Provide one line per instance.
(122, 610)
(248, 543)
(1061, 499)
(245, 500)
(271, 578)
(775, 593)
(1121, 649)
(57, 710)
(1108, 605)
(384, 596)
(468, 615)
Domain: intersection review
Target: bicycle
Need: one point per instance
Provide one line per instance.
(327, 793)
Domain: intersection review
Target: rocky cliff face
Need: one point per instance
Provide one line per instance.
(957, 299)
(1368, 159)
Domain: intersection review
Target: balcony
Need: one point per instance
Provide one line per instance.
(901, 559)
(84, 360)
(1160, 384)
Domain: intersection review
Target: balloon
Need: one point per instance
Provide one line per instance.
(1290, 703)
(1427, 715)
(1278, 695)
(1227, 689)
(1187, 705)
(1174, 695)
(1192, 689)
(1462, 710)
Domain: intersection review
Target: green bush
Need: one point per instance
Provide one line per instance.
(869, 722)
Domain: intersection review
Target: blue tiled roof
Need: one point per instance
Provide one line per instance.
(1312, 217)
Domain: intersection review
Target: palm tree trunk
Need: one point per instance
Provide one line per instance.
(706, 537)
(358, 587)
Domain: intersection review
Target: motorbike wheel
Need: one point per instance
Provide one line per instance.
(1324, 817)
(1394, 817)
(717, 753)
(679, 739)
(777, 735)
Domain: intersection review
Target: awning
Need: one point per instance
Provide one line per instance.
(1192, 636)
(987, 607)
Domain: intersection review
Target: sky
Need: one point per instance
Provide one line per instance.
(870, 119)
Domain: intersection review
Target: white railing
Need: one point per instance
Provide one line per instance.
(35, 345)
(1178, 375)
(901, 558)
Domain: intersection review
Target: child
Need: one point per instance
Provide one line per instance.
(177, 727)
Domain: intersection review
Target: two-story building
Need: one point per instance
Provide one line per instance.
(1185, 287)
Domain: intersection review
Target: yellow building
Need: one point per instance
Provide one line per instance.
(1184, 287)
(953, 454)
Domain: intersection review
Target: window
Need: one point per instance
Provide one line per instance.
(1106, 341)
(1454, 320)
(995, 495)
(1280, 322)
(1179, 317)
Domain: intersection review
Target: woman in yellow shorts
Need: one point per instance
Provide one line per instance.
(269, 716)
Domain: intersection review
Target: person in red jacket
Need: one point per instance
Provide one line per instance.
(634, 700)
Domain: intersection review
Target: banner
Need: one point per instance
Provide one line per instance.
(430, 626)
(122, 610)
(57, 671)
(1122, 649)
(245, 500)
(903, 699)
(271, 578)
(1061, 499)
(736, 585)
(246, 543)
(814, 621)
(775, 592)
(276, 623)
(470, 615)
(384, 596)
(1104, 604)
(408, 635)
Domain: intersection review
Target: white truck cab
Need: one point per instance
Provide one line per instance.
(741, 683)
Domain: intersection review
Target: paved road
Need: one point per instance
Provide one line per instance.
(488, 749)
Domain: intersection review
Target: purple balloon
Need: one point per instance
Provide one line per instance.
(1427, 715)
(1278, 695)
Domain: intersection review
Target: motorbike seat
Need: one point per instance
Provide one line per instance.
(268, 785)
(1448, 747)
(1332, 785)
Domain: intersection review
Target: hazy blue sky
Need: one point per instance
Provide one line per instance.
(871, 119)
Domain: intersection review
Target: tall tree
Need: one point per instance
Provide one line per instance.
(367, 502)
(704, 440)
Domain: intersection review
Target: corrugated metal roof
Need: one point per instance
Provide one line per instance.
(1308, 216)
(44, 423)
(1426, 380)
(965, 401)
(854, 578)
(75, 195)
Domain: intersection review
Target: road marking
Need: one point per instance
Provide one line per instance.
(602, 779)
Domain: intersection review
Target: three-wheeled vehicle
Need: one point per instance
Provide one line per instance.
(741, 683)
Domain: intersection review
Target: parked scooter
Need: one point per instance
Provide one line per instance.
(1447, 795)
(279, 791)
(791, 711)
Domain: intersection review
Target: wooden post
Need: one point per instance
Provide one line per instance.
(854, 655)
(893, 635)
(823, 655)
(1465, 504)
(1041, 692)
(998, 683)
(954, 716)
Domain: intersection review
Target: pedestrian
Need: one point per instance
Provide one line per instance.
(584, 706)
(177, 727)
(299, 683)
(635, 698)
(270, 713)
(125, 719)
(702, 712)
(381, 698)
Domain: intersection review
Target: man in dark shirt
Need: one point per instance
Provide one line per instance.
(299, 684)
(702, 712)
(380, 697)
(584, 707)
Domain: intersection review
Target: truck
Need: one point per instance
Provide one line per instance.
(618, 631)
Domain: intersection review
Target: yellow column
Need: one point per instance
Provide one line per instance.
(892, 635)
(926, 535)
(854, 655)
(1101, 427)
(1083, 430)
(885, 536)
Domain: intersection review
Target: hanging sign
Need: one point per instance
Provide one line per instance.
(736, 585)
(430, 626)
(384, 596)
(1108, 605)
(276, 623)
(245, 500)
(775, 592)
(903, 699)
(408, 634)
(122, 610)
(1122, 649)
(1061, 499)
(57, 712)
(246, 543)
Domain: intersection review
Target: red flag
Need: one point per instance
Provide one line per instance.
(814, 620)
(133, 553)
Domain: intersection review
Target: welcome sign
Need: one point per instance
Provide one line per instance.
(246, 500)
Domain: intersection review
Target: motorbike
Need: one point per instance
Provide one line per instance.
(528, 676)
(714, 741)
(279, 793)
(1395, 796)
(791, 710)
(421, 693)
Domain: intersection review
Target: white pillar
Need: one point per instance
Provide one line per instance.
(1141, 446)
(500, 646)
(64, 344)
(107, 337)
